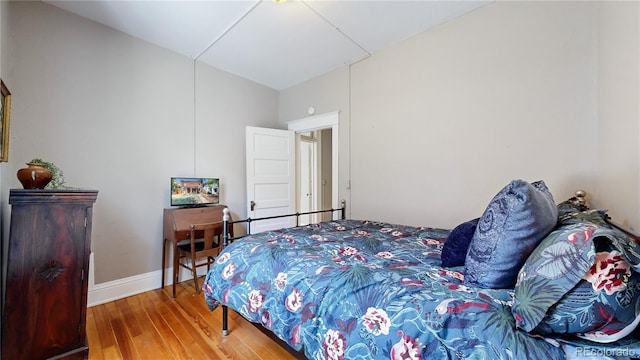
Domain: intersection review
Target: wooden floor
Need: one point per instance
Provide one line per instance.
(153, 325)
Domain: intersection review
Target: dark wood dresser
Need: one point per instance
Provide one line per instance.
(47, 274)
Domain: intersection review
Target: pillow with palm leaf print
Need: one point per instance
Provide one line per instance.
(603, 306)
(580, 280)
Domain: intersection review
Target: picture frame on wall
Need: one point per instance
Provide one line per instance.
(5, 115)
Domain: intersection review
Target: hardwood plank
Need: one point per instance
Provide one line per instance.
(148, 343)
(165, 332)
(111, 353)
(127, 313)
(93, 337)
(254, 340)
(153, 325)
(103, 324)
(123, 338)
(247, 333)
(194, 307)
(261, 344)
(176, 321)
(199, 336)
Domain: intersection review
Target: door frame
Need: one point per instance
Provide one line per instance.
(319, 122)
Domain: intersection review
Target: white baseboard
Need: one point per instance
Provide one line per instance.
(122, 288)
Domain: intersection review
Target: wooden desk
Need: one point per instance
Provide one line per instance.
(176, 228)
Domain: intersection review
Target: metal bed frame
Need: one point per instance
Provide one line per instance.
(226, 238)
(580, 199)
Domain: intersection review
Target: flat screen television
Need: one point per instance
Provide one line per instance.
(194, 191)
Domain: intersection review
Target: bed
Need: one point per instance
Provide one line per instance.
(357, 289)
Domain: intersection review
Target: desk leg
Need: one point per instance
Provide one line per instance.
(164, 258)
(176, 267)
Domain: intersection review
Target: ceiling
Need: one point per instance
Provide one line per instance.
(277, 44)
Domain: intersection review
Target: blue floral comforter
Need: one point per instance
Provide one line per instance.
(360, 290)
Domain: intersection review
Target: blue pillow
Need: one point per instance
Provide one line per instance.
(454, 250)
(512, 225)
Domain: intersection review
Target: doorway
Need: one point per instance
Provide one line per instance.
(313, 175)
(317, 142)
(272, 171)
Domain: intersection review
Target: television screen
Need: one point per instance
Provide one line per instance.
(194, 191)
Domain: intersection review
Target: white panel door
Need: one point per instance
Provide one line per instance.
(270, 177)
(307, 169)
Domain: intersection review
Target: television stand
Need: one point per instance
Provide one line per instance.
(176, 222)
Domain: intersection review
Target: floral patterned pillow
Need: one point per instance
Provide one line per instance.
(568, 287)
(603, 306)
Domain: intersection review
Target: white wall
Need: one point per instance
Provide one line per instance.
(618, 187)
(225, 105)
(117, 115)
(439, 123)
(434, 126)
(326, 93)
(449, 117)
